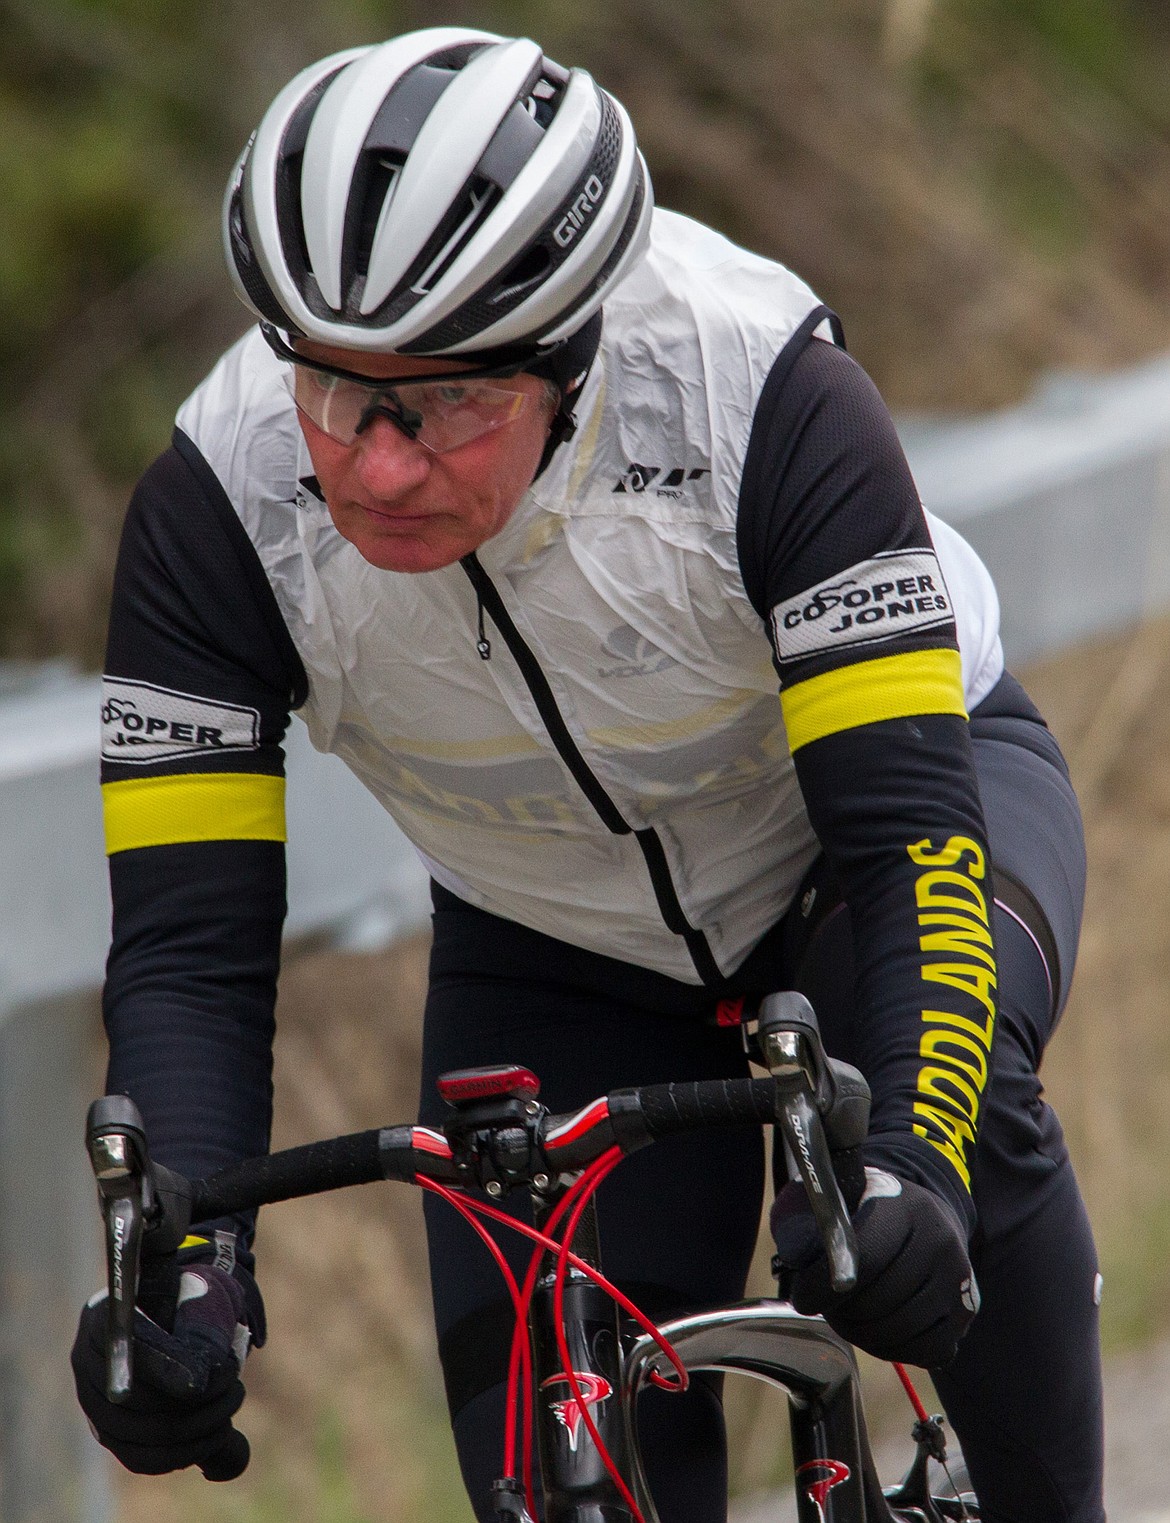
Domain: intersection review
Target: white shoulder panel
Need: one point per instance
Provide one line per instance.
(244, 423)
(689, 339)
(976, 605)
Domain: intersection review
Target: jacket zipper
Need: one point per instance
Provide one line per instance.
(669, 908)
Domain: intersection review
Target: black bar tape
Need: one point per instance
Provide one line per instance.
(351, 1160)
(626, 1120)
(669, 1108)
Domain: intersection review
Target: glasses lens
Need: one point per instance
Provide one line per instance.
(452, 413)
(335, 405)
(456, 412)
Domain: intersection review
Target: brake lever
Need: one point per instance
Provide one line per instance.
(139, 1200)
(806, 1093)
(116, 1142)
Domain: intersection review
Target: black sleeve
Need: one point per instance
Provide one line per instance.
(837, 559)
(201, 676)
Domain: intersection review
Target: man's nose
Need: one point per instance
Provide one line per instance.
(389, 462)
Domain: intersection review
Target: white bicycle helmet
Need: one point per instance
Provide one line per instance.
(448, 192)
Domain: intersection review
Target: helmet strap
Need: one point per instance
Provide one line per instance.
(568, 369)
(562, 427)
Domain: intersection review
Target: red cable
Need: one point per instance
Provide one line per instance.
(520, 1331)
(552, 1246)
(520, 1357)
(577, 1196)
(575, 1191)
(915, 1400)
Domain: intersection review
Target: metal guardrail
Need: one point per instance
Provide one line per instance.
(351, 875)
(1067, 498)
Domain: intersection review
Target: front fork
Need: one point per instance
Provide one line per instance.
(836, 1479)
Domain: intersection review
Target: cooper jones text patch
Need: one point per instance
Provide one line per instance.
(142, 723)
(892, 594)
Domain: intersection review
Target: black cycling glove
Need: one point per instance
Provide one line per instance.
(915, 1292)
(188, 1353)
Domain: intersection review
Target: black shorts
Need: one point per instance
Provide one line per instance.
(679, 1221)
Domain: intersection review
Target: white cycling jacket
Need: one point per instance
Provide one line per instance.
(621, 579)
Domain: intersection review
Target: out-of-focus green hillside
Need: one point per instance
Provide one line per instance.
(978, 186)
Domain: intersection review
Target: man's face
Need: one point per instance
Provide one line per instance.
(408, 509)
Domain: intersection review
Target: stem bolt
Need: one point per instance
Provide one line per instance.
(540, 1181)
(494, 1188)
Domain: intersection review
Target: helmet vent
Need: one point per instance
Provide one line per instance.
(542, 104)
(477, 206)
(495, 300)
(458, 55)
(251, 277)
(441, 249)
(288, 198)
(527, 271)
(406, 108)
(382, 172)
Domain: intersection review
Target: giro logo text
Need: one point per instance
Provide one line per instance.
(567, 1409)
(665, 480)
(823, 1475)
(574, 219)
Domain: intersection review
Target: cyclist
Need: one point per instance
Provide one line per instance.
(526, 498)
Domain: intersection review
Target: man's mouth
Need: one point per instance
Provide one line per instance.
(391, 515)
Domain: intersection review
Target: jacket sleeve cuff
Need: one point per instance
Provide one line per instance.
(909, 1157)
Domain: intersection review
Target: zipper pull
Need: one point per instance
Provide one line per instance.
(483, 645)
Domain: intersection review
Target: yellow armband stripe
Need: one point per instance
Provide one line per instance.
(890, 687)
(193, 806)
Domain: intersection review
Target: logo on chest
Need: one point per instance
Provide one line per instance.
(660, 480)
(634, 655)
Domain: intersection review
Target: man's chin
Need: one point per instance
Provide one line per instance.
(404, 555)
(399, 544)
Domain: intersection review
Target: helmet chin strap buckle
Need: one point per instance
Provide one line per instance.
(562, 427)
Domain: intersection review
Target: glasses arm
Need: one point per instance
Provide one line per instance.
(286, 352)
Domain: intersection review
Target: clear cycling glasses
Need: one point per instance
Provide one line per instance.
(442, 412)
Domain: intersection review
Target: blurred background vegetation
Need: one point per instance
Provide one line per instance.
(979, 187)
